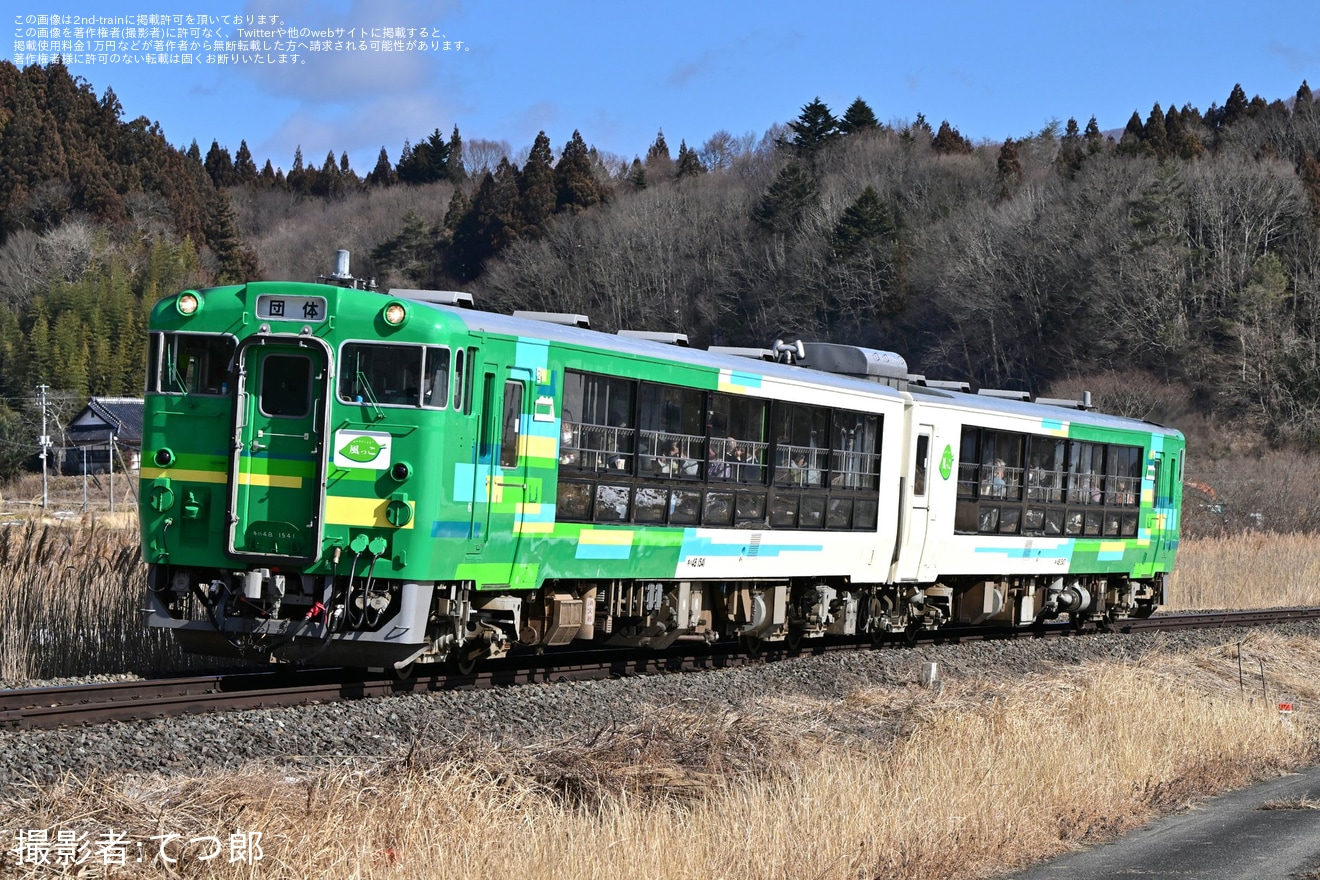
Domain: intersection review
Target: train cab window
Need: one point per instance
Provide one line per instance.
(190, 363)
(286, 385)
(460, 375)
(435, 378)
(381, 374)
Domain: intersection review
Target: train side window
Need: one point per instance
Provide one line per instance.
(598, 413)
(513, 408)
(1123, 476)
(673, 442)
(854, 460)
(190, 363)
(737, 449)
(967, 461)
(487, 399)
(923, 461)
(800, 453)
(1086, 466)
(435, 377)
(1046, 459)
(460, 373)
(1001, 465)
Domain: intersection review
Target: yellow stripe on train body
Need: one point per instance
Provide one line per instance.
(183, 475)
(341, 511)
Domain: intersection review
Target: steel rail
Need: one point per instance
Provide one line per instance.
(67, 705)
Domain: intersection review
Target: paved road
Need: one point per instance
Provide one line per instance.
(1228, 838)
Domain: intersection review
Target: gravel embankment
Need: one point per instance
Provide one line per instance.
(547, 713)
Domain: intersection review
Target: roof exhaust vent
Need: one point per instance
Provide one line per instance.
(1005, 394)
(760, 354)
(679, 339)
(456, 298)
(564, 318)
(949, 385)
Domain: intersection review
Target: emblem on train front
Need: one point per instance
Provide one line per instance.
(362, 449)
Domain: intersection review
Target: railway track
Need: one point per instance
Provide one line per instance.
(68, 705)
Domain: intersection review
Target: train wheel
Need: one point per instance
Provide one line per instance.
(911, 633)
(465, 663)
(405, 672)
(750, 645)
(793, 637)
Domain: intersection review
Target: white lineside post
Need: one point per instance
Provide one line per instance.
(44, 443)
(112, 471)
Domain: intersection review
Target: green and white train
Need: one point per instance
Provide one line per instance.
(337, 475)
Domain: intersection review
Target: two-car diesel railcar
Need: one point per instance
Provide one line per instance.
(337, 475)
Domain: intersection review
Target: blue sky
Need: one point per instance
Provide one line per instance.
(619, 72)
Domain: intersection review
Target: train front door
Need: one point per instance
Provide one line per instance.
(277, 453)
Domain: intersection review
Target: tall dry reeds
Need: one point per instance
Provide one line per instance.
(70, 603)
(1246, 570)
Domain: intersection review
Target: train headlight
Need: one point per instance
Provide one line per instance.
(395, 314)
(188, 303)
(401, 471)
(164, 457)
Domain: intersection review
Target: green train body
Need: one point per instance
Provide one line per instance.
(343, 476)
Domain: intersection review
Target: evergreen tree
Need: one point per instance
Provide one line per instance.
(245, 170)
(576, 185)
(689, 163)
(949, 141)
(788, 197)
(1071, 153)
(536, 200)
(865, 221)
(1132, 143)
(1009, 168)
(427, 161)
(813, 129)
(1309, 172)
(267, 177)
(328, 182)
(858, 117)
(194, 152)
(636, 176)
(1235, 108)
(220, 166)
(235, 264)
(383, 173)
(454, 160)
(296, 179)
(1154, 133)
(1095, 141)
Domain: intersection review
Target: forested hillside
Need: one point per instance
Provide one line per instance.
(1175, 268)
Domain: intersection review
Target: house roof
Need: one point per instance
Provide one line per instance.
(121, 416)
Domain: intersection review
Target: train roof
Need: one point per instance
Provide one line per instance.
(564, 334)
(567, 334)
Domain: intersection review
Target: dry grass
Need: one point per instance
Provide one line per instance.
(983, 778)
(70, 600)
(1250, 570)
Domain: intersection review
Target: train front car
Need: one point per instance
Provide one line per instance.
(292, 444)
